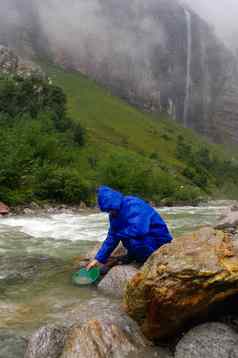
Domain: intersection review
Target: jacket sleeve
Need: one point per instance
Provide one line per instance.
(137, 222)
(107, 247)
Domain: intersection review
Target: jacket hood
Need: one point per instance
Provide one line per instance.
(109, 199)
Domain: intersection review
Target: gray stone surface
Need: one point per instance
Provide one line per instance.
(47, 342)
(229, 220)
(210, 340)
(116, 280)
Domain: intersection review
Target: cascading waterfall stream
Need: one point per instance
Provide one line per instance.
(188, 67)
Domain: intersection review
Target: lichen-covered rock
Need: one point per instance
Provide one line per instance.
(114, 283)
(47, 342)
(210, 340)
(182, 280)
(11, 345)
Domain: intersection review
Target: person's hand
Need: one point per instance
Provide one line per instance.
(92, 264)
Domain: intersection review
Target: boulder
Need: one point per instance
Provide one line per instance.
(4, 209)
(102, 338)
(213, 340)
(11, 345)
(96, 329)
(47, 342)
(229, 220)
(114, 283)
(182, 280)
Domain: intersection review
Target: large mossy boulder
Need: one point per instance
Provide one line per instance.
(182, 281)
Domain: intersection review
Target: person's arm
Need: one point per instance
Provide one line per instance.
(137, 223)
(107, 248)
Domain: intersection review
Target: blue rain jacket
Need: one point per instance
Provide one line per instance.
(137, 225)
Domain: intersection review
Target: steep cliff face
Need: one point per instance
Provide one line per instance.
(158, 55)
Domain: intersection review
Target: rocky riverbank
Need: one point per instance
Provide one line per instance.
(182, 297)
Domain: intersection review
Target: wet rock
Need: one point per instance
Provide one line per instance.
(11, 345)
(102, 338)
(229, 220)
(4, 209)
(47, 342)
(114, 283)
(213, 340)
(96, 329)
(17, 269)
(182, 280)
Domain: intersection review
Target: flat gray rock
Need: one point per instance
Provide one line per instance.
(210, 340)
(115, 281)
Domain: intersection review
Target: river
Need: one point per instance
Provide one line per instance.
(26, 306)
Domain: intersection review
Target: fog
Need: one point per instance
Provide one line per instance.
(223, 15)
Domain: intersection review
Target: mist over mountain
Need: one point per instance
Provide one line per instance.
(158, 55)
(222, 15)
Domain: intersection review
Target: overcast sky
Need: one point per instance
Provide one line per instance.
(223, 14)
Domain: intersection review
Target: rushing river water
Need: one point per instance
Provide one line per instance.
(25, 306)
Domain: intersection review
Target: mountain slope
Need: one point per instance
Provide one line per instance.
(113, 126)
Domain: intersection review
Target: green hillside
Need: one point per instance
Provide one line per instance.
(113, 126)
(65, 137)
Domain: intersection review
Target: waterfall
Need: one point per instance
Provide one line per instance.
(188, 67)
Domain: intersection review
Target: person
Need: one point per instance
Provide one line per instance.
(133, 222)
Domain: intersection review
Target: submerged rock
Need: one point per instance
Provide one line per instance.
(11, 345)
(213, 340)
(182, 280)
(17, 269)
(114, 283)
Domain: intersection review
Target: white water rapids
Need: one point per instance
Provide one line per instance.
(67, 235)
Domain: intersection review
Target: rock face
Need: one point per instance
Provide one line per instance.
(10, 63)
(115, 281)
(182, 280)
(11, 345)
(213, 340)
(4, 209)
(98, 329)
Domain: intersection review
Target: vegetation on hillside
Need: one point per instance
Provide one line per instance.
(53, 150)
